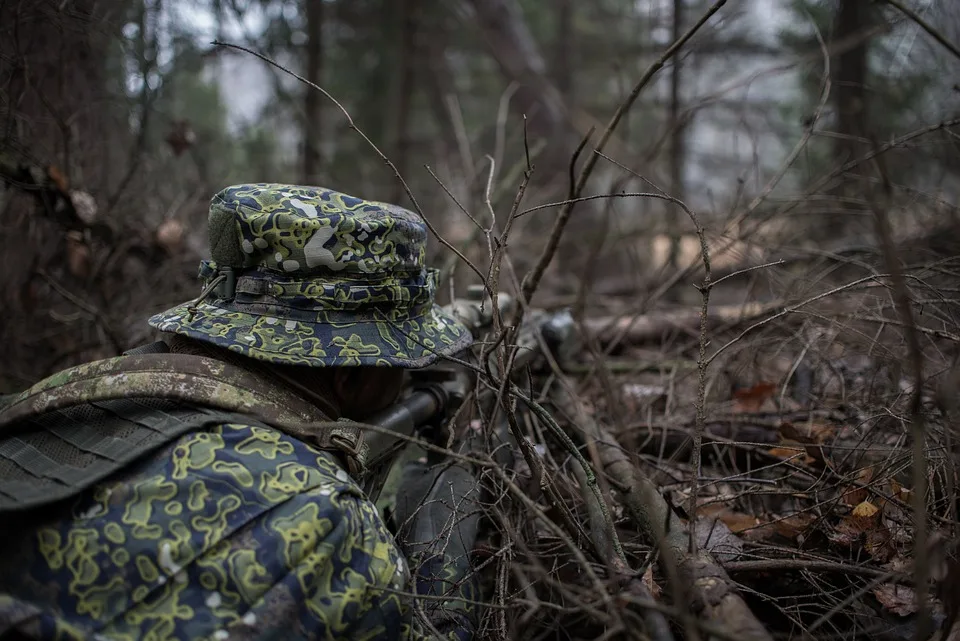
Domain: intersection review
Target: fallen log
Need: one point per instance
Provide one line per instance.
(697, 577)
(652, 326)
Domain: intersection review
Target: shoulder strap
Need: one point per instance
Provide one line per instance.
(190, 379)
(66, 452)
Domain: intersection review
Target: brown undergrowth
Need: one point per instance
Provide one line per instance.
(737, 448)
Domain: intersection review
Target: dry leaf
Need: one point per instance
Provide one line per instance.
(846, 533)
(78, 255)
(866, 510)
(864, 525)
(795, 453)
(859, 494)
(899, 523)
(879, 544)
(899, 599)
(57, 178)
(900, 492)
(753, 398)
(181, 137)
(714, 536)
(901, 564)
(795, 525)
(738, 521)
(714, 509)
(865, 516)
(811, 432)
(747, 526)
(169, 235)
(786, 452)
(650, 583)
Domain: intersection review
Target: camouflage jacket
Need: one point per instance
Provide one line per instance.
(233, 530)
(237, 532)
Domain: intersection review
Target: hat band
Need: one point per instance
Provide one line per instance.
(329, 299)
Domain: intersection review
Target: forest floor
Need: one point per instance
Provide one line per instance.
(817, 448)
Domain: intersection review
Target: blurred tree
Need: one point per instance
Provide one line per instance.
(258, 161)
(565, 44)
(850, 22)
(677, 129)
(512, 44)
(407, 62)
(871, 98)
(52, 70)
(863, 41)
(56, 123)
(313, 105)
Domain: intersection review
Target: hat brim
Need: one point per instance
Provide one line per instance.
(411, 343)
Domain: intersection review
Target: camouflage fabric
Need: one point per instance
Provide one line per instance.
(237, 532)
(172, 376)
(309, 276)
(47, 455)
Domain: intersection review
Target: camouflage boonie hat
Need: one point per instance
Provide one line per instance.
(309, 276)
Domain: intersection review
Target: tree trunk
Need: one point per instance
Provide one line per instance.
(850, 79)
(518, 55)
(52, 73)
(55, 118)
(313, 105)
(438, 83)
(563, 67)
(677, 137)
(850, 105)
(407, 59)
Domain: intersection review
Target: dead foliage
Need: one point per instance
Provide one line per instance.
(736, 464)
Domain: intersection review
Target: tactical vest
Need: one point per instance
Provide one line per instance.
(81, 425)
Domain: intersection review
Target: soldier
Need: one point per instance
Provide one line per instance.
(200, 487)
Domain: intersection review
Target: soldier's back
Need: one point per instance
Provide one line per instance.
(236, 531)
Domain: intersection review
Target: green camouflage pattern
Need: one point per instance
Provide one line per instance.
(317, 278)
(183, 377)
(83, 454)
(238, 532)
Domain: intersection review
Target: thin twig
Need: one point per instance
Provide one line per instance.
(352, 125)
(792, 308)
(532, 280)
(901, 299)
(701, 402)
(926, 26)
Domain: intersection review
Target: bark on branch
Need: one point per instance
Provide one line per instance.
(711, 594)
(650, 327)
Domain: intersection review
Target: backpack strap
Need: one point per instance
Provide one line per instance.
(194, 380)
(65, 452)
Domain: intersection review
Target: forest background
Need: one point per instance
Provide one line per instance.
(130, 104)
(812, 144)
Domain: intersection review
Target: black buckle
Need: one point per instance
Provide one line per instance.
(227, 288)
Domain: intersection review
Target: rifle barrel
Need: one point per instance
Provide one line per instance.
(402, 418)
